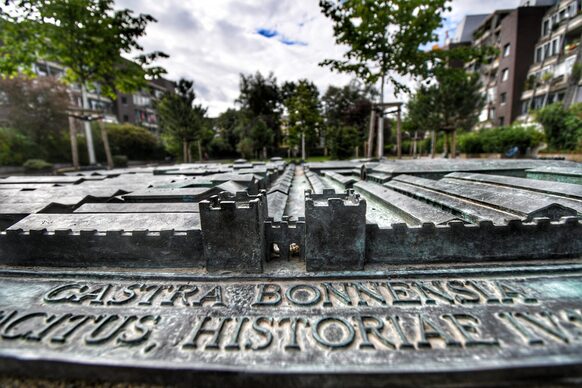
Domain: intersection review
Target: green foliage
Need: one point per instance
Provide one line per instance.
(180, 118)
(88, 37)
(347, 107)
(386, 38)
(246, 148)
(576, 72)
(37, 165)
(500, 140)
(563, 127)
(453, 102)
(227, 127)
(15, 147)
(37, 108)
(342, 141)
(136, 143)
(303, 107)
(260, 100)
(471, 143)
(120, 160)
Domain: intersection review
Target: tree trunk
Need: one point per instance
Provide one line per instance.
(433, 144)
(185, 150)
(446, 150)
(454, 144)
(199, 150)
(414, 145)
(265, 153)
(303, 156)
(74, 145)
(399, 134)
(370, 149)
(106, 144)
(87, 124)
(380, 150)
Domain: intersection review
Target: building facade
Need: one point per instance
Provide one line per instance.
(136, 108)
(555, 73)
(513, 33)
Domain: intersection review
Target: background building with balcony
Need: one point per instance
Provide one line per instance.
(136, 108)
(514, 34)
(555, 73)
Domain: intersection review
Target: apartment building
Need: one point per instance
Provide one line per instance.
(136, 108)
(557, 60)
(514, 33)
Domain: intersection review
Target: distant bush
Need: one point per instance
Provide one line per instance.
(120, 160)
(16, 147)
(136, 143)
(563, 127)
(37, 165)
(500, 140)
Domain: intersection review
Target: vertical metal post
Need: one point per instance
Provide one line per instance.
(371, 133)
(303, 145)
(74, 144)
(105, 139)
(399, 134)
(87, 125)
(380, 150)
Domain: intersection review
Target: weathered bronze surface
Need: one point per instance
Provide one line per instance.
(419, 273)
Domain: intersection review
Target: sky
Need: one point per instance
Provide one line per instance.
(213, 41)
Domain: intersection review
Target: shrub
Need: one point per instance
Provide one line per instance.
(37, 165)
(563, 127)
(136, 143)
(342, 141)
(470, 143)
(501, 140)
(120, 160)
(16, 147)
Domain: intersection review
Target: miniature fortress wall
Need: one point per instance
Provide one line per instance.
(460, 218)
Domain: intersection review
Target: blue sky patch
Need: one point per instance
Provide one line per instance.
(291, 42)
(267, 33)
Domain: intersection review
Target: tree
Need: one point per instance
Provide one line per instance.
(346, 107)
(385, 40)
(87, 37)
(304, 114)
(563, 127)
(181, 119)
(451, 104)
(260, 99)
(35, 107)
(227, 127)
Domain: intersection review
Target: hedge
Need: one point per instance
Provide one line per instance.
(500, 140)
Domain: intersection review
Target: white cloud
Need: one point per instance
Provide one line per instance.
(212, 42)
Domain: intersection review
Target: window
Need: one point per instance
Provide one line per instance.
(547, 48)
(524, 107)
(506, 50)
(501, 121)
(555, 46)
(539, 55)
(503, 98)
(546, 27)
(125, 118)
(538, 102)
(124, 100)
(505, 75)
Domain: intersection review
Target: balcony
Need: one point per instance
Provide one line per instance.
(570, 48)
